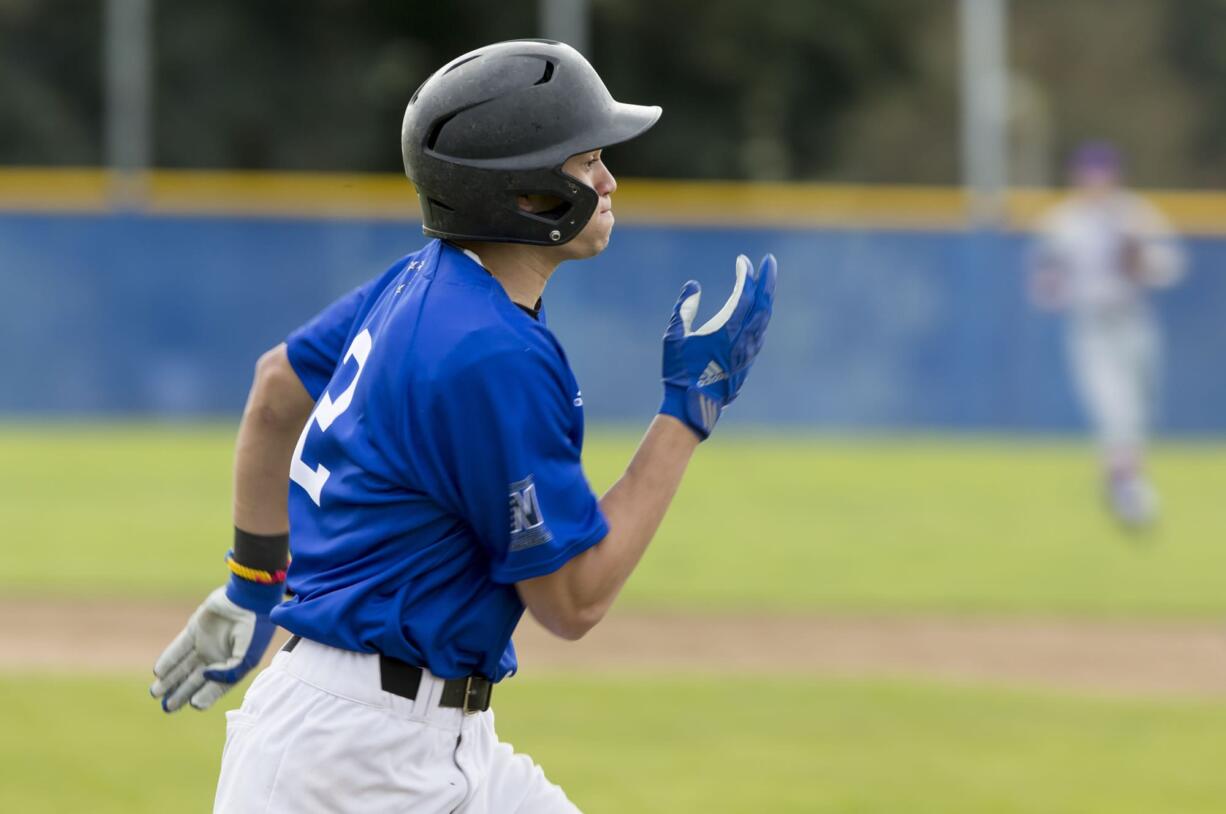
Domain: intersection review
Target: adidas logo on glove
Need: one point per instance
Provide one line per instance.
(704, 368)
(712, 374)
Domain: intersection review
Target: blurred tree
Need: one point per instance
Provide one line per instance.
(860, 90)
(749, 90)
(1103, 67)
(907, 128)
(306, 84)
(1196, 46)
(50, 90)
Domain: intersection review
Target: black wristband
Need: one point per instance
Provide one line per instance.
(264, 552)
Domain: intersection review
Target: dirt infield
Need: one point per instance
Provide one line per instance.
(1117, 658)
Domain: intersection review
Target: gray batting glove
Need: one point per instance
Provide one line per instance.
(221, 643)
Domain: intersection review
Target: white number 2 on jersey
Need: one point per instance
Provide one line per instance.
(325, 413)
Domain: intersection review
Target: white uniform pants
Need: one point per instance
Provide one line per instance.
(317, 733)
(1114, 357)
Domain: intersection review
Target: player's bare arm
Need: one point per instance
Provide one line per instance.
(277, 407)
(229, 632)
(572, 600)
(703, 371)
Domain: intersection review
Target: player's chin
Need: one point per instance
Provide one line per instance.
(592, 241)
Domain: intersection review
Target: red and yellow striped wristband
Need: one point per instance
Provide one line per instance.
(254, 574)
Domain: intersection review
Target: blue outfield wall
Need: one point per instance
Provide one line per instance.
(116, 315)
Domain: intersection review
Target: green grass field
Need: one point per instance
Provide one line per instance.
(684, 745)
(761, 523)
(767, 523)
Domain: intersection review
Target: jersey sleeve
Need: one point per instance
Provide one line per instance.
(1163, 259)
(1045, 254)
(508, 438)
(315, 348)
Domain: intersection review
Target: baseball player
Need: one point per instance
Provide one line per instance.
(431, 429)
(1098, 253)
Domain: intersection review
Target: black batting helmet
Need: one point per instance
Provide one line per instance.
(499, 122)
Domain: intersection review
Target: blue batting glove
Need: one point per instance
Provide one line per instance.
(705, 368)
(224, 639)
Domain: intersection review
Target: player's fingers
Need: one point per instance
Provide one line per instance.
(734, 308)
(175, 676)
(207, 695)
(768, 271)
(685, 309)
(178, 650)
(186, 689)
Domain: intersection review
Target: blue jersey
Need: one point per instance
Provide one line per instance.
(439, 468)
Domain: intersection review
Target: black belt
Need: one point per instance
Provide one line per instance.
(471, 694)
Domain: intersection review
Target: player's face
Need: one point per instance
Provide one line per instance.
(1096, 179)
(589, 168)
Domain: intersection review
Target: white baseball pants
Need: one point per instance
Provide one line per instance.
(317, 733)
(1114, 357)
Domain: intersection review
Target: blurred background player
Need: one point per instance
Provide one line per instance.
(1099, 252)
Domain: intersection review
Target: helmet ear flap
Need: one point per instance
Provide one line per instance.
(566, 205)
(450, 214)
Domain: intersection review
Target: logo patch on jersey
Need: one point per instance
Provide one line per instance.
(528, 527)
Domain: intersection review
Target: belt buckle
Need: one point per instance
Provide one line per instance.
(468, 695)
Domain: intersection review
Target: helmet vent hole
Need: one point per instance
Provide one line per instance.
(437, 130)
(543, 206)
(458, 63)
(545, 77)
(555, 213)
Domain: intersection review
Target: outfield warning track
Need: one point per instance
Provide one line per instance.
(1169, 658)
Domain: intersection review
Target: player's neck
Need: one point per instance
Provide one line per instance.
(1099, 195)
(521, 270)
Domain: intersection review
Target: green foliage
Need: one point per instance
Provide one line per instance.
(310, 84)
(770, 522)
(731, 744)
(1194, 47)
(866, 91)
(49, 57)
(752, 92)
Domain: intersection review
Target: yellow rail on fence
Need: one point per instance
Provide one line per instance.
(389, 197)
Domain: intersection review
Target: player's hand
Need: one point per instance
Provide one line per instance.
(1132, 258)
(221, 643)
(704, 368)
